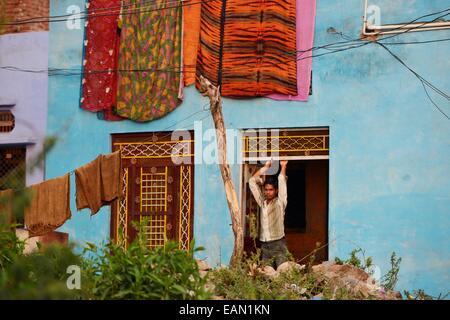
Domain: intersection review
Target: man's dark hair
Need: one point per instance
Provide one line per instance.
(273, 181)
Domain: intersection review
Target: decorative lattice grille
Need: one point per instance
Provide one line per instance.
(286, 144)
(122, 212)
(153, 190)
(155, 229)
(185, 207)
(163, 149)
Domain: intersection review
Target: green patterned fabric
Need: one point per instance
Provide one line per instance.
(149, 60)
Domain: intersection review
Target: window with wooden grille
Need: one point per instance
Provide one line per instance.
(7, 121)
(12, 168)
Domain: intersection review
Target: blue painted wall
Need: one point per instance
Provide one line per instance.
(389, 147)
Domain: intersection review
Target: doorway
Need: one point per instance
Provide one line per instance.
(306, 215)
(157, 177)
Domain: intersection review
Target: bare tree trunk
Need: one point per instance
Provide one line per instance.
(208, 89)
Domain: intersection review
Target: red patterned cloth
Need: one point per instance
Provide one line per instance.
(99, 83)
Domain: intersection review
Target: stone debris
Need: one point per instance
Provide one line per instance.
(289, 266)
(271, 273)
(336, 276)
(353, 279)
(268, 272)
(203, 265)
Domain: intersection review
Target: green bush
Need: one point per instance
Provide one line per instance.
(39, 275)
(389, 280)
(142, 273)
(10, 246)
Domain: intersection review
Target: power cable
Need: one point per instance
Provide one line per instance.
(425, 83)
(78, 16)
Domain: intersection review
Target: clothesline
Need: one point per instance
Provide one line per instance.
(97, 184)
(192, 44)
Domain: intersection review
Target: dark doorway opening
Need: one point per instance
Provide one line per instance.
(295, 215)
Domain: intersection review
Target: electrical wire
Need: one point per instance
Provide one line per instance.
(191, 68)
(79, 16)
(90, 11)
(415, 42)
(352, 43)
(332, 48)
(425, 83)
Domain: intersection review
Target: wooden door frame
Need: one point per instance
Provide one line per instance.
(322, 153)
(151, 139)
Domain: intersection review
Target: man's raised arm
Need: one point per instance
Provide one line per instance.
(255, 183)
(282, 186)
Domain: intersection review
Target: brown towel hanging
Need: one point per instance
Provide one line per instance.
(110, 173)
(98, 182)
(88, 184)
(49, 207)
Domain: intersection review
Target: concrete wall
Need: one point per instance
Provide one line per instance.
(389, 146)
(28, 91)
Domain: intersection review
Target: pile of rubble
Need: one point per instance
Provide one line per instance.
(353, 279)
(336, 276)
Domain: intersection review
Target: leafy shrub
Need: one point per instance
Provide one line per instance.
(11, 247)
(246, 281)
(363, 263)
(39, 275)
(422, 295)
(142, 273)
(389, 280)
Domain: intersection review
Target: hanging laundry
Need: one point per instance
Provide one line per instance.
(49, 207)
(149, 77)
(306, 14)
(110, 171)
(99, 83)
(191, 38)
(248, 47)
(98, 182)
(6, 209)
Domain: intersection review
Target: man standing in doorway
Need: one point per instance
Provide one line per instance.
(273, 203)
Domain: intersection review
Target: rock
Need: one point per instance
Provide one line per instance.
(356, 280)
(203, 266)
(323, 267)
(31, 244)
(268, 272)
(352, 278)
(327, 264)
(393, 295)
(349, 271)
(289, 266)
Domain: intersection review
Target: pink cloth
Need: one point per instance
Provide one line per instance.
(306, 14)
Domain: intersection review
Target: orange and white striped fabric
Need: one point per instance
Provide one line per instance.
(248, 47)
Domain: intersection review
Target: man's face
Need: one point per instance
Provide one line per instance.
(270, 192)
